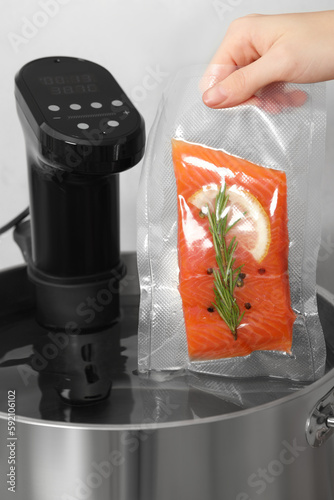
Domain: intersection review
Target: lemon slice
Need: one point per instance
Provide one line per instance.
(253, 228)
(204, 198)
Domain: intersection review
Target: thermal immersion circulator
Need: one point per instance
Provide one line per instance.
(81, 131)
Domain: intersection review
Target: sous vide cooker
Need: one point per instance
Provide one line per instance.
(81, 132)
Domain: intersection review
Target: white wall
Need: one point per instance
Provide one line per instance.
(130, 38)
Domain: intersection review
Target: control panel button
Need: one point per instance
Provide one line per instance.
(83, 126)
(53, 107)
(113, 123)
(96, 105)
(75, 106)
(117, 103)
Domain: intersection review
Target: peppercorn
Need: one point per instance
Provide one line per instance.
(248, 305)
(239, 283)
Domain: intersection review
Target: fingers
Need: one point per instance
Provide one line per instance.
(215, 73)
(297, 98)
(235, 50)
(221, 66)
(242, 84)
(290, 48)
(285, 100)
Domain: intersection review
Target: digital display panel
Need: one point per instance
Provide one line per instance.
(70, 84)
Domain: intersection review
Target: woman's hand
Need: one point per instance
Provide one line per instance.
(295, 48)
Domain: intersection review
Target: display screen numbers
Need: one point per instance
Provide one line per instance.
(74, 89)
(67, 79)
(70, 84)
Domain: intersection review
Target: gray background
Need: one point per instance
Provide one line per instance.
(132, 38)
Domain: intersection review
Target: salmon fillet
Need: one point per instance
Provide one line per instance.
(264, 294)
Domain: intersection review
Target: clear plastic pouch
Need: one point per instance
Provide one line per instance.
(266, 158)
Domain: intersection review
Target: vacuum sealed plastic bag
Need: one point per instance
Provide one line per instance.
(228, 234)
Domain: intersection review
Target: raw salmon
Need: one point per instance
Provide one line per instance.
(264, 292)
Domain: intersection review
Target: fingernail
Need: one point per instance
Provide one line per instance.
(214, 96)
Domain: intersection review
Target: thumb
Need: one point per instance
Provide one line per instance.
(243, 83)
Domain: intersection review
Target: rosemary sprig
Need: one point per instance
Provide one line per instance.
(226, 277)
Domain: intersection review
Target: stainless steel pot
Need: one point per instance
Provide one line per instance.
(163, 437)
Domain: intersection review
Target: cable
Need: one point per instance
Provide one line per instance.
(19, 218)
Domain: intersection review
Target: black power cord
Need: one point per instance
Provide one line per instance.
(19, 218)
